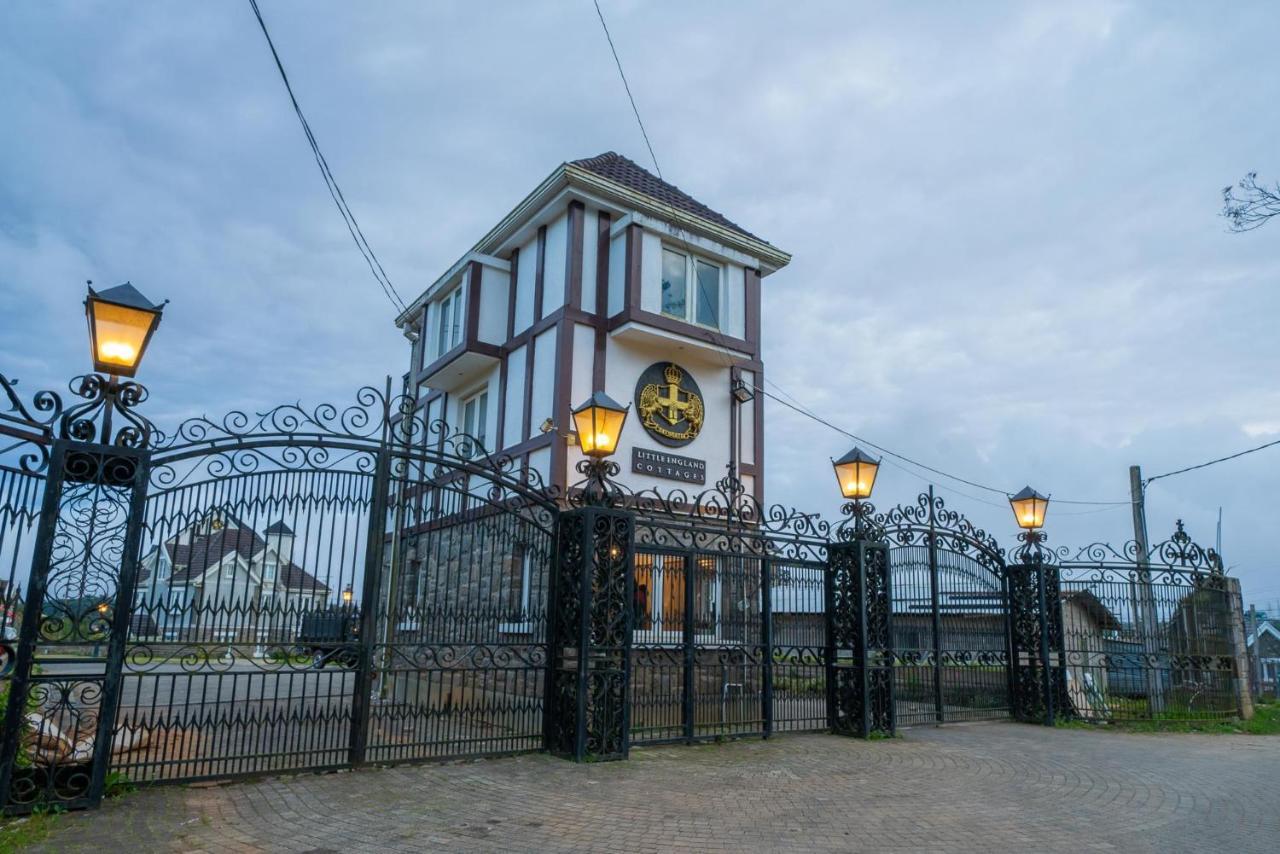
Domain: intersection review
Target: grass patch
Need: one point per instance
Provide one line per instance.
(1265, 721)
(19, 833)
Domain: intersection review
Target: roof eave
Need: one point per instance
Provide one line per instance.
(565, 175)
(771, 257)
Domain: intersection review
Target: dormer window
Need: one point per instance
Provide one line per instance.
(449, 322)
(690, 289)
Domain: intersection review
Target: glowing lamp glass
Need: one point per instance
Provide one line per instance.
(121, 322)
(598, 423)
(1029, 508)
(856, 474)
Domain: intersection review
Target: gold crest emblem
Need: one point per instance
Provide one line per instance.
(671, 409)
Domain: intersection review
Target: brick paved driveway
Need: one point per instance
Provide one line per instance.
(987, 788)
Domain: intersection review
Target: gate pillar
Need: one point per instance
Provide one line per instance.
(859, 638)
(78, 609)
(1037, 675)
(589, 642)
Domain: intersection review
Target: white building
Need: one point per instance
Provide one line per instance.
(603, 278)
(219, 580)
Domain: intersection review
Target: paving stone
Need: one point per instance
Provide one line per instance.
(983, 788)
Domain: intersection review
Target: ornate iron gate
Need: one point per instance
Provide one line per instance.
(1149, 635)
(950, 615)
(728, 627)
(300, 589)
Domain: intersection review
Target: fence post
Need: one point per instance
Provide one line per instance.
(766, 643)
(370, 600)
(1035, 631)
(590, 640)
(91, 522)
(859, 638)
(1239, 649)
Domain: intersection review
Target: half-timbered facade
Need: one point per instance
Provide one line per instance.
(604, 278)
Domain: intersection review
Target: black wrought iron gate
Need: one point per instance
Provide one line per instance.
(950, 616)
(304, 588)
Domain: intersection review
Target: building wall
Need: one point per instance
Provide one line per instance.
(578, 292)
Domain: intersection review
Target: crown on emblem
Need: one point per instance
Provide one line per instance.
(673, 374)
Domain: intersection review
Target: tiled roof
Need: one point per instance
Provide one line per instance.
(192, 561)
(619, 169)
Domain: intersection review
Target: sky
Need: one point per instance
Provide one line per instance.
(1009, 259)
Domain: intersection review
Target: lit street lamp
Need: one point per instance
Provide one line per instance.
(1029, 508)
(856, 475)
(598, 424)
(121, 323)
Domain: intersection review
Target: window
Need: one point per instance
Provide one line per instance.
(229, 571)
(517, 619)
(269, 571)
(474, 413)
(678, 271)
(675, 287)
(660, 598)
(449, 322)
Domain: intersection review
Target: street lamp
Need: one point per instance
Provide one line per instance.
(856, 474)
(598, 422)
(1029, 508)
(346, 596)
(121, 323)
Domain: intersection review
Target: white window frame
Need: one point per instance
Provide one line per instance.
(269, 569)
(449, 322)
(691, 262)
(228, 571)
(524, 625)
(480, 397)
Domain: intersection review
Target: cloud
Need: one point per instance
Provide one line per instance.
(1008, 260)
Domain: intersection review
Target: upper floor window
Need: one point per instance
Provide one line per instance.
(474, 414)
(690, 289)
(269, 571)
(449, 322)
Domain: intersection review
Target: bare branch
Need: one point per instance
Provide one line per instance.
(1250, 205)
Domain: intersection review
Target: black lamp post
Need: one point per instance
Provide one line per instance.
(121, 322)
(856, 473)
(1029, 508)
(598, 423)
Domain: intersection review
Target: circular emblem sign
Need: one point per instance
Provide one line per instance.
(670, 404)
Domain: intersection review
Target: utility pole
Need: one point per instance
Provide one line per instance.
(1146, 614)
(1255, 659)
(1217, 546)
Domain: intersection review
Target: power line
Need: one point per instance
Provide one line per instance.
(335, 192)
(725, 356)
(627, 86)
(1213, 462)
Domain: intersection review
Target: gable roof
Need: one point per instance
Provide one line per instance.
(191, 561)
(630, 174)
(279, 528)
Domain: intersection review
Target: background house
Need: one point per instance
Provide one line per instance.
(1264, 645)
(219, 580)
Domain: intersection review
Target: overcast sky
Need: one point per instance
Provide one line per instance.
(1009, 262)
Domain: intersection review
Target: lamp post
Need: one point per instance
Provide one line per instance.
(856, 475)
(1031, 582)
(1029, 508)
(121, 322)
(598, 424)
(857, 610)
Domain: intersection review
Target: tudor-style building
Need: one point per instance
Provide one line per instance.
(605, 278)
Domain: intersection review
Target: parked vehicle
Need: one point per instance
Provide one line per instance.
(330, 635)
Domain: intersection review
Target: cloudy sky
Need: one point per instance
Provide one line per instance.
(1009, 262)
